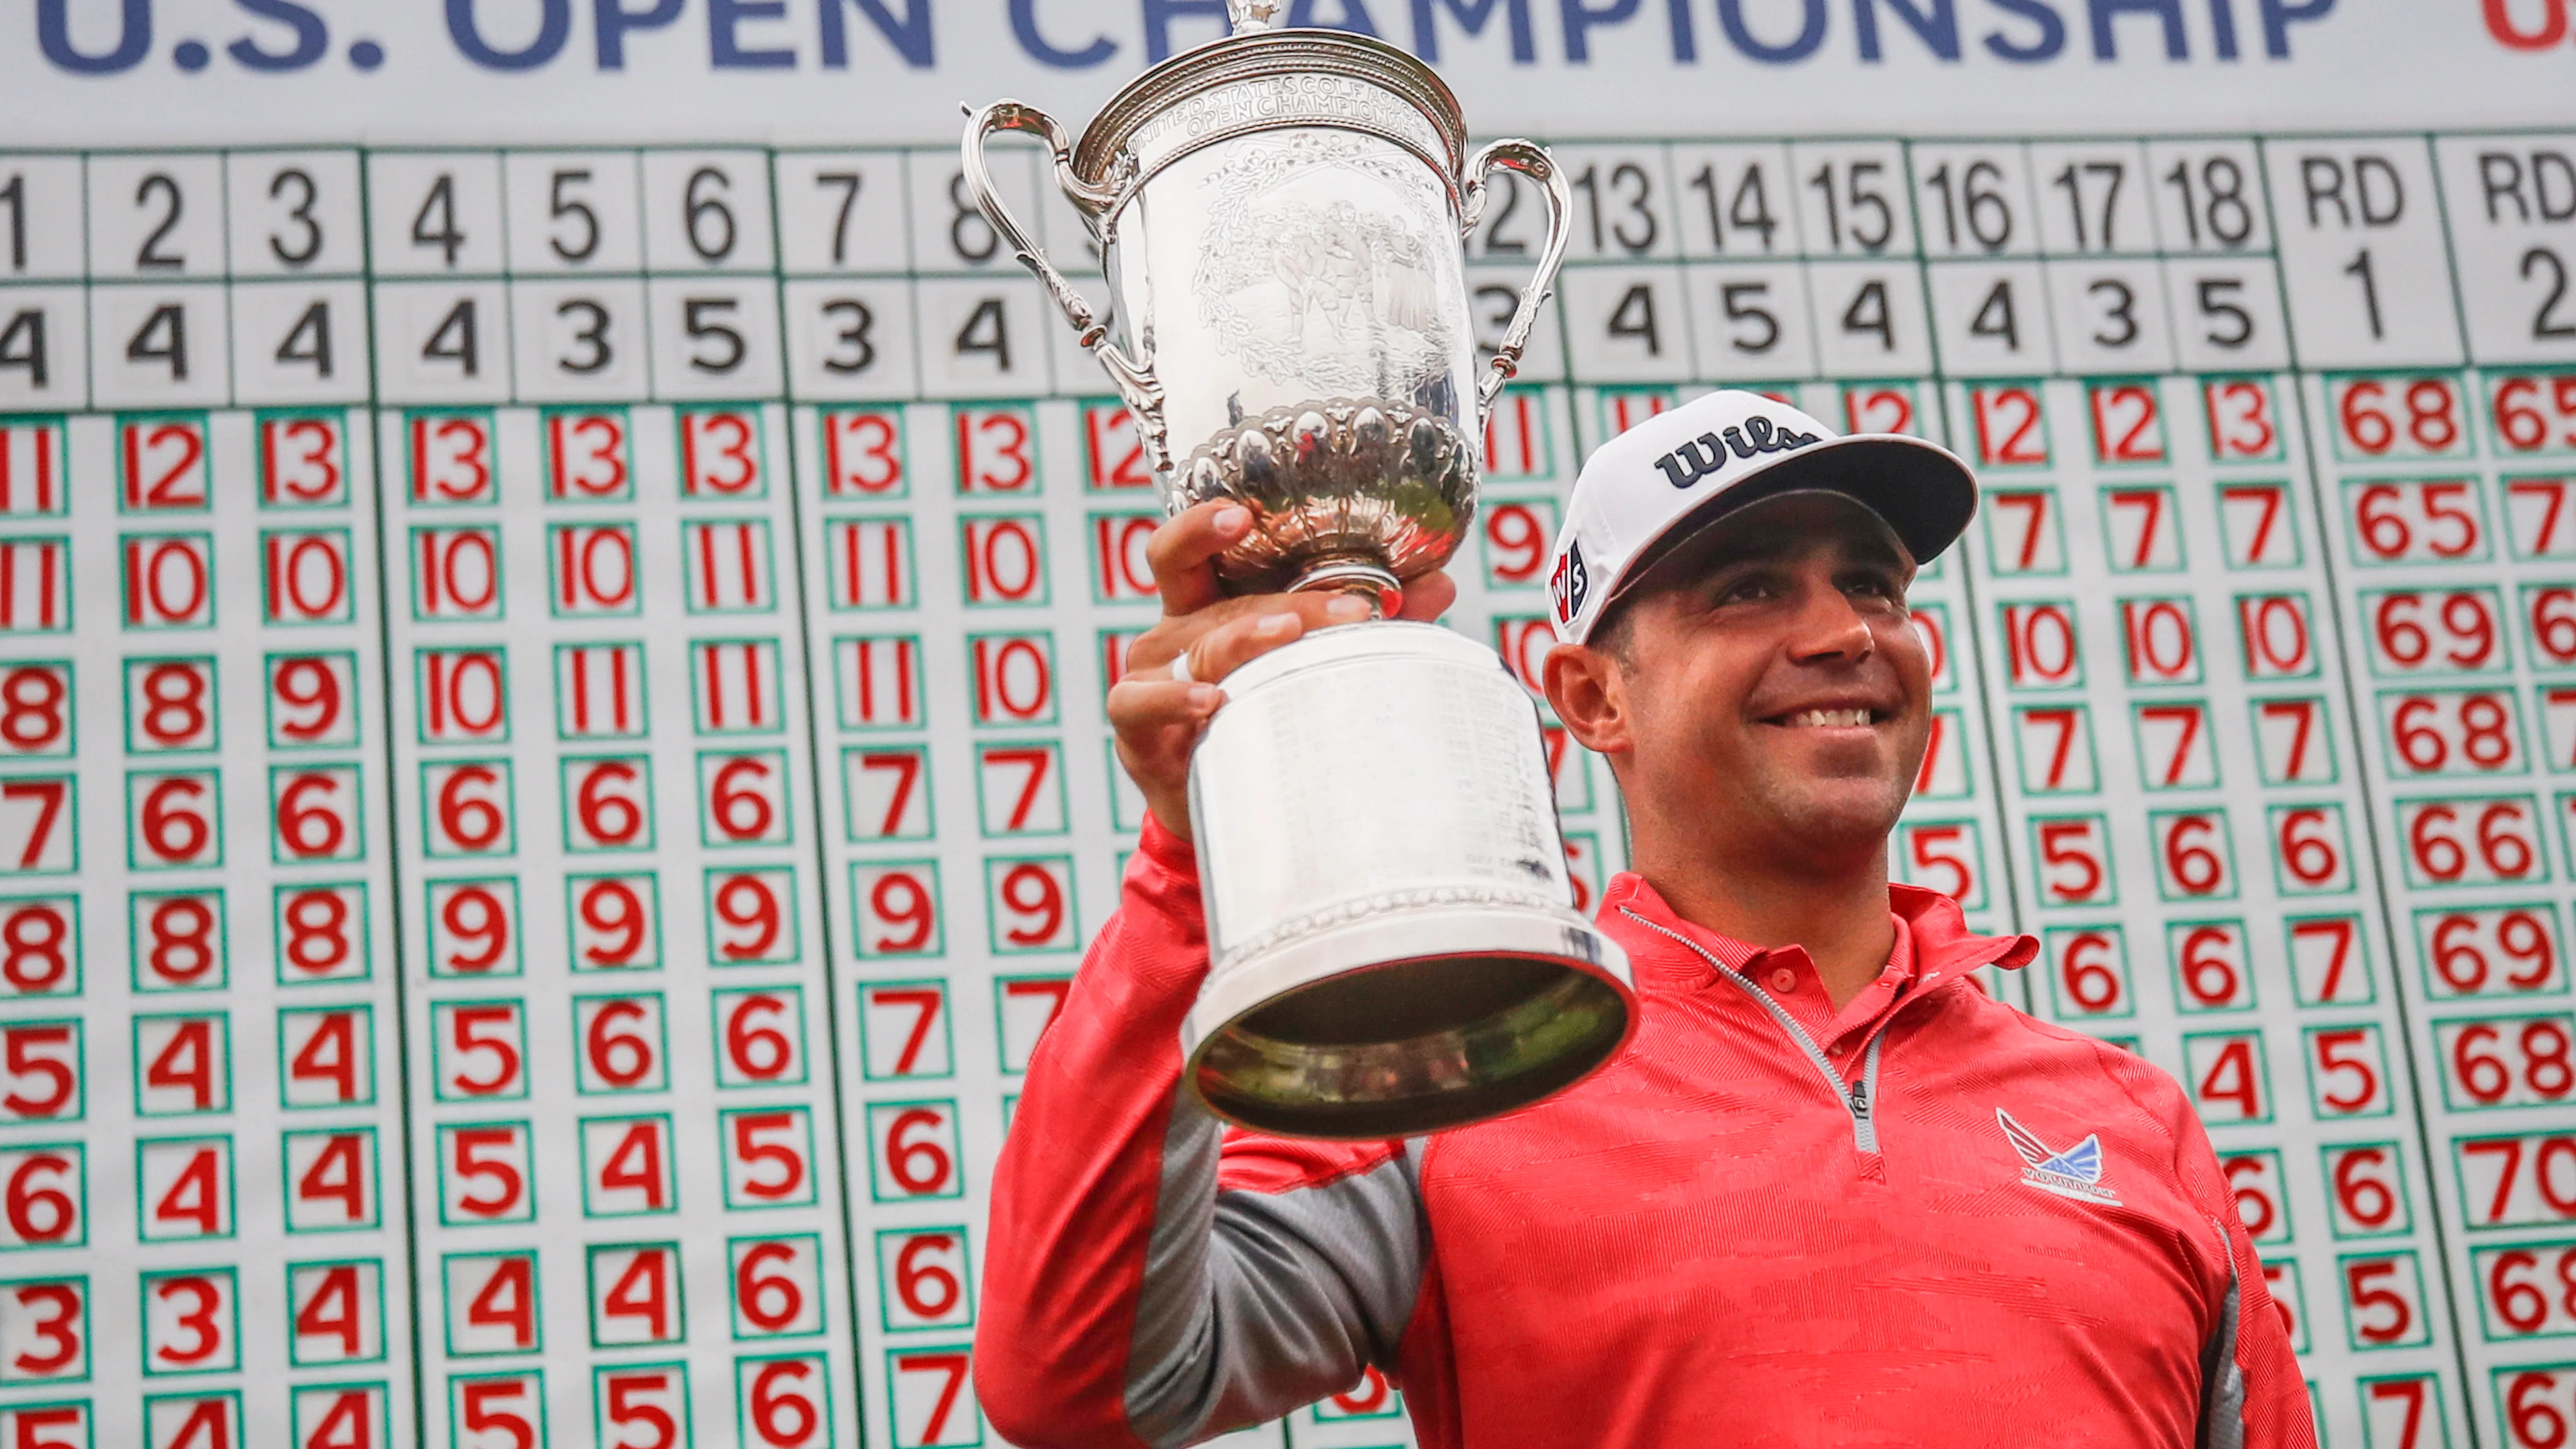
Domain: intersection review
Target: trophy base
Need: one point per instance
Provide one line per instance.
(1422, 1018)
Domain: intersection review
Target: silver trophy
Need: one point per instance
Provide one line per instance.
(1394, 940)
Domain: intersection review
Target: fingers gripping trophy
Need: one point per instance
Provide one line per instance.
(1393, 939)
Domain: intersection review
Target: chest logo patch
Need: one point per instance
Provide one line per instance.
(2075, 1172)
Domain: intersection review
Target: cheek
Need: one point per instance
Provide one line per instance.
(1902, 647)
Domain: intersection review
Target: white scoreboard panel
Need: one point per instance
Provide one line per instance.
(555, 766)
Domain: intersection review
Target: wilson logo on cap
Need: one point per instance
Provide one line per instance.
(1569, 583)
(1706, 454)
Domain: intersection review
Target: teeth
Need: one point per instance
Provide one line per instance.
(1829, 717)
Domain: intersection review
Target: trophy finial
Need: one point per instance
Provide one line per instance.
(1252, 15)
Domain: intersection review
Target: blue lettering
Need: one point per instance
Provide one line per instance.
(2052, 33)
(1159, 15)
(909, 36)
(1685, 32)
(1939, 31)
(1472, 17)
(312, 37)
(1811, 33)
(1024, 26)
(133, 41)
(1355, 17)
(1579, 20)
(2222, 26)
(2277, 15)
(724, 48)
(2170, 11)
(554, 27)
(614, 20)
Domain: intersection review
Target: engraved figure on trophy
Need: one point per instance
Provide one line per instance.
(1393, 939)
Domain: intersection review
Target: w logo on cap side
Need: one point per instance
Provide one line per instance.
(1707, 453)
(1569, 583)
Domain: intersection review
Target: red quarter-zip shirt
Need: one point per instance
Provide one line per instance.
(1922, 1219)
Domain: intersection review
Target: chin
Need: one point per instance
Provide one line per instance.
(1850, 815)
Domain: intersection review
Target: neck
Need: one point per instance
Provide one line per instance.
(1837, 911)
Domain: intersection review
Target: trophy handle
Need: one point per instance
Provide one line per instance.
(1530, 160)
(1134, 380)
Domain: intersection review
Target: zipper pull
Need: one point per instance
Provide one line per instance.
(1859, 1091)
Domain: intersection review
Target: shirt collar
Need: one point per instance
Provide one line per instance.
(1933, 943)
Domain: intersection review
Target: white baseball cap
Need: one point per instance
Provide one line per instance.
(1673, 474)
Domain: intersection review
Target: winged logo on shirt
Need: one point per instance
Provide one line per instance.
(2075, 1172)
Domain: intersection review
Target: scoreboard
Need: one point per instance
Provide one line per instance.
(552, 754)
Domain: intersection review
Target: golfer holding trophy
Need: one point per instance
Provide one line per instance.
(1748, 1159)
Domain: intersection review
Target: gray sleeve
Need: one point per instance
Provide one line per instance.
(1257, 1302)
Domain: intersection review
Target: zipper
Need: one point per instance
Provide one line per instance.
(1855, 1096)
(1859, 1096)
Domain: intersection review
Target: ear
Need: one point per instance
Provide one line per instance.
(1589, 693)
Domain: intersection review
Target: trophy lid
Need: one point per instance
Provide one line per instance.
(1260, 54)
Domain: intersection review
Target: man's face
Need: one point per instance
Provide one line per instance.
(1775, 684)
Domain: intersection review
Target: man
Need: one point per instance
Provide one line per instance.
(1831, 1194)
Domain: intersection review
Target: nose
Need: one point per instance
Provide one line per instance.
(1828, 629)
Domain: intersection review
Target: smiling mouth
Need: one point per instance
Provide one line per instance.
(1828, 718)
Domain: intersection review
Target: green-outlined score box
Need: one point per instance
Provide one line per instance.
(335, 1312)
(913, 1150)
(174, 819)
(613, 921)
(649, 1398)
(2383, 1299)
(53, 1180)
(2366, 1191)
(2053, 744)
(35, 455)
(752, 916)
(321, 1411)
(40, 948)
(191, 1321)
(886, 793)
(621, 1043)
(326, 1056)
(52, 1330)
(784, 1398)
(760, 1036)
(2142, 527)
(2088, 971)
(172, 704)
(735, 687)
(1030, 906)
(629, 1166)
(636, 1297)
(492, 1303)
(863, 454)
(724, 453)
(2513, 949)
(925, 1278)
(37, 597)
(769, 1157)
(600, 691)
(510, 1403)
(332, 1181)
(178, 941)
(302, 457)
(929, 1398)
(486, 1173)
(776, 1284)
(472, 927)
(1020, 788)
(744, 799)
(898, 909)
(905, 1030)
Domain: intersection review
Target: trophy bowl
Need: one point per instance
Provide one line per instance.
(1393, 937)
